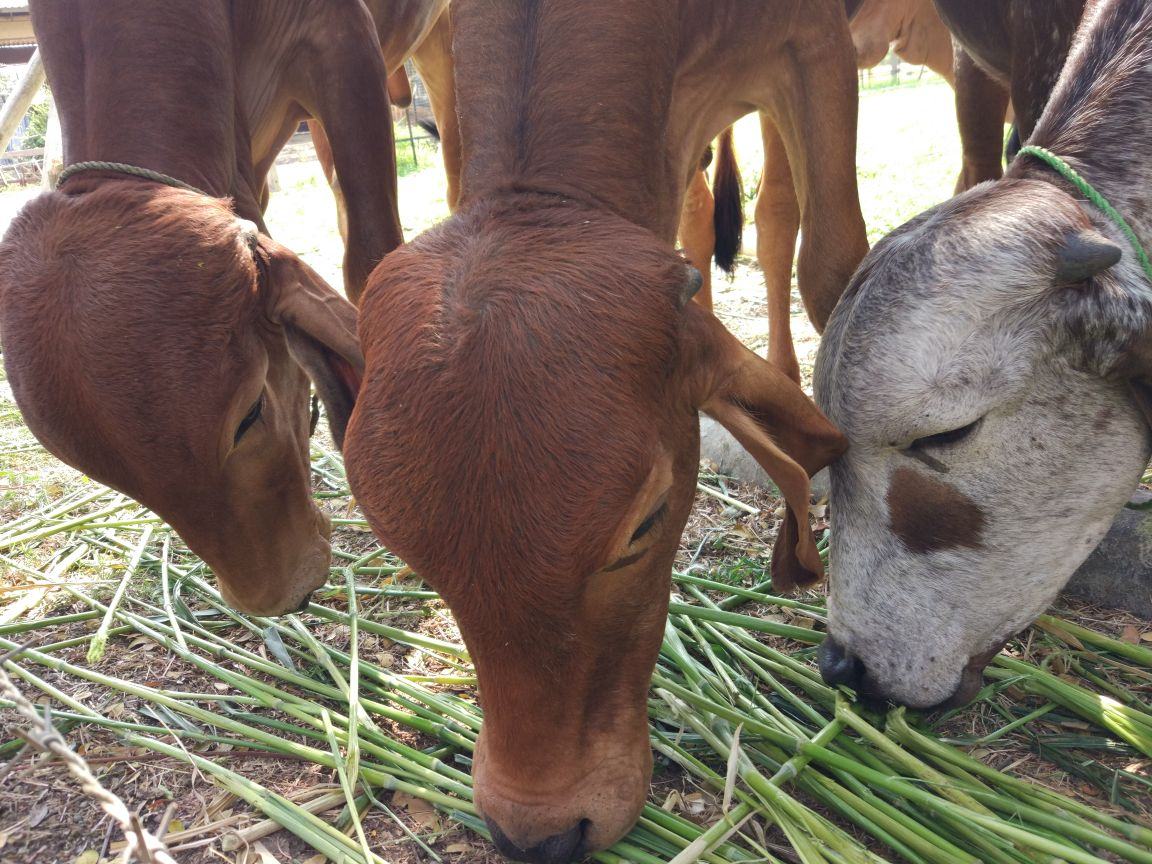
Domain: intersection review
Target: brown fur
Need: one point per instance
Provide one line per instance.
(928, 515)
(419, 29)
(251, 99)
(142, 323)
(912, 28)
(533, 374)
(916, 32)
(483, 456)
(399, 88)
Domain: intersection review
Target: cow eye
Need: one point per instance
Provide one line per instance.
(941, 439)
(315, 416)
(648, 524)
(251, 417)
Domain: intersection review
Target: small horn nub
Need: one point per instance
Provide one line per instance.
(1083, 255)
(692, 284)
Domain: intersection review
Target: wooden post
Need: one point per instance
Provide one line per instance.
(53, 150)
(16, 106)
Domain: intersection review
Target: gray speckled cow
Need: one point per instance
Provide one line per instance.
(990, 365)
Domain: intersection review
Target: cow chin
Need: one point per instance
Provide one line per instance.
(971, 678)
(282, 581)
(583, 812)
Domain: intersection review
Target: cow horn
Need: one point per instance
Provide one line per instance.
(691, 286)
(1083, 255)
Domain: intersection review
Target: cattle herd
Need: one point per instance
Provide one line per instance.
(517, 390)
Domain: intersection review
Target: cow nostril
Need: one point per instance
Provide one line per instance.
(838, 665)
(557, 849)
(304, 603)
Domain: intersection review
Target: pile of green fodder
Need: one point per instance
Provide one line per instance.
(794, 770)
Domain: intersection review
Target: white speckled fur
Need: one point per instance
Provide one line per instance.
(958, 316)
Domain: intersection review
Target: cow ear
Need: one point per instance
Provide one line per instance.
(1083, 255)
(1135, 367)
(320, 329)
(774, 421)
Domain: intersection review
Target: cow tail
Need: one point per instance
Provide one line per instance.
(728, 190)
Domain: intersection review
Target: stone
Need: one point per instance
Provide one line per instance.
(730, 459)
(1118, 573)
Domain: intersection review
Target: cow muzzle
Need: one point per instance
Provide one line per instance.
(576, 809)
(839, 666)
(558, 849)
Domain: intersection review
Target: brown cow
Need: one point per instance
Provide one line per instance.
(914, 30)
(527, 433)
(1021, 44)
(155, 340)
(911, 28)
(420, 29)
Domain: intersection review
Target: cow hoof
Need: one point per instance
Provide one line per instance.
(1118, 573)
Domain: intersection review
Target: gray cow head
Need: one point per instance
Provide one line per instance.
(987, 367)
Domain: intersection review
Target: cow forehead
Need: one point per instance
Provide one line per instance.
(130, 306)
(935, 304)
(516, 380)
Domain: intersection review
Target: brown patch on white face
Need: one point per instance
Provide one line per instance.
(928, 515)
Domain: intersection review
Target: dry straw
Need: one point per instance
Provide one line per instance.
(789, 769)
(141, 844)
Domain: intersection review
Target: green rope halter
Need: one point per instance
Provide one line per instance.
(1072, 176)
(131, 170)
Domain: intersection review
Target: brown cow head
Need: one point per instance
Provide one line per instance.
(161, 346)
(527, 439)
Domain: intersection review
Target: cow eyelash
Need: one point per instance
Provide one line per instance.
(648, 524)
(942, 439)
(251, 417)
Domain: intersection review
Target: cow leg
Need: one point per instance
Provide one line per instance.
(350, 99)
(813, 101)
(777, 222)
(324, 157)
(433, 59)
(981, 103)
(698, 234)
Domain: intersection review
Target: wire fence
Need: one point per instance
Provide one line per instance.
(414, 121)
(21, 163)
(893, 72)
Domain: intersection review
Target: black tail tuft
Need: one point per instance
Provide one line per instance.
(430, 127)
(728, 190)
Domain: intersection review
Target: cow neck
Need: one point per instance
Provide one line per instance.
(1096, 120)
(401, 24)
(569, 99)
(146, 84)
